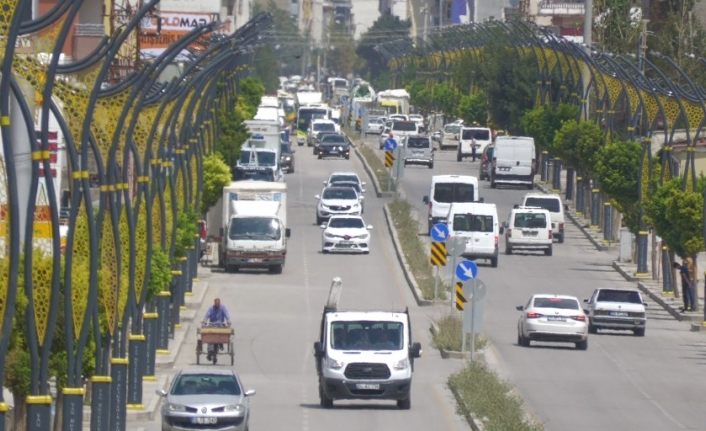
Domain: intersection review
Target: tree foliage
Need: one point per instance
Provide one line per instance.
(543, 122)
(473, 108)
(287, 41)
(577, 143)
(677, 215)
(342, 59)
(232, 131)
(216, 175)
(186, 229)
(160, 273)
(387, 27)
(617, 25)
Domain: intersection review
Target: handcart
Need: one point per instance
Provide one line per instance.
(217, 338)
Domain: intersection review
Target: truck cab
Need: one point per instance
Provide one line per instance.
(364, 354)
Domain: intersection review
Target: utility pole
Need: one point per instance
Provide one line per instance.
(441, 14)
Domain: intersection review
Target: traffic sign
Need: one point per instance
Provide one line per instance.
(390, 144)
(439, 232)
(438, 254)
(466, 270)
(456, 245)
(389, 159)
(460, 298)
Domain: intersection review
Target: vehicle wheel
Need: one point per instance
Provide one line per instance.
(548, 252)
(405, 163)
(494, 262)
(320, 156)
(530, 186)
(232, 356)
(277, 269)
(639, 332)
(198, 357)
(459, 157)
(348, 156)
(508, 249)
(291, 170)
(582, 345)
(404, 404)
(561, 238)
(431, 165)
(324, 251)
(522, 341)
(319, 220)
(325, 401)
(492, 184)
(592, 329)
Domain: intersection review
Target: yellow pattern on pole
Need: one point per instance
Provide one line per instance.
(438, 254)
(389, 159)
(460, 299)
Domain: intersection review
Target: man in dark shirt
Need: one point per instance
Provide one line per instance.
(217, 314)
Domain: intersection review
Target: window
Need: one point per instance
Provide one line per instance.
(452, 129)
(418, 143)
(353, 223)
(333, 139)
(324, 127)
(206, 384)
(480, 134)
(366, 335)
(258, 228)
(472, 223)
(339, 193)
(343, 178)
(619, 296)
(560, 303)
(453, 192)
(550, 204)
(530, 220)
(404, 126)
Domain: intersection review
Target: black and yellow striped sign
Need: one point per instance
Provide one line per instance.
(460, 299)
(389, 159)
(438, 254)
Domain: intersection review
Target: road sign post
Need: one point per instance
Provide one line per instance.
(466, 271)
(439, 233)
(456, 247)
(475, 292)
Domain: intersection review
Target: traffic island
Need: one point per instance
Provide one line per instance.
(446, 337)
(379, 175)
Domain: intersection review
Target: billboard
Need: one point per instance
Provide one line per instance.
(171, 27)
(189, 6)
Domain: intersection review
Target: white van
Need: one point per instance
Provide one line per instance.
(477, 224)
(513, 161)
(528, 228)
(478, 137)
(402, 128)
(551, 203)
(448, 189)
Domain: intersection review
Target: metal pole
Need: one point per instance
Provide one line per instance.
(474, 286)
(556, 183)
(453, 278)
(436, 283)
(607, 222)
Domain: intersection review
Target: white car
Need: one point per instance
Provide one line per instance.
(345, 233)
(419, 119)
(450, 136)
(528, 228)
(616, 309)
(548, 317)
(375, 126)
(337, 201)
(344, 176)
(553, 204)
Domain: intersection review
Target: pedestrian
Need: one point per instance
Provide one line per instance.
(390, 142)
(217, 314)
(686, 286)
(473, 149)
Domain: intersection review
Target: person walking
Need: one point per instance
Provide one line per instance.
(686, 286)
(217, 314)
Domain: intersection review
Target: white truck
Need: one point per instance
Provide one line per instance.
(254, 226)
(364, 354)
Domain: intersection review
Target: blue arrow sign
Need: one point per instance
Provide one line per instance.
(390, 144)
(466, 270)
(439, 232)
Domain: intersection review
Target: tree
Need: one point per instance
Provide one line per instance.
(387, 27)
(232, 130)
(216, 175)
(577, 143)
(617, 25)
(543, 122)
(288, 43)
(617, 168)
(342, 59)
(443, 97)
(473, 108)
(676, 215)
(267, 68)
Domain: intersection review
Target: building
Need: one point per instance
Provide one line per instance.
(564, 16)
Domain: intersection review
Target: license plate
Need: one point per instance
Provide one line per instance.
(619, 313)
(204, 420)
(368, 386)
(529, 232)
(255, 260)
(556, 318)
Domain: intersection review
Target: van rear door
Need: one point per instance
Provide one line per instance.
(478, 229)
(446, 193)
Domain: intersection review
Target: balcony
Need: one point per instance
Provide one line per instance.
(560, 8)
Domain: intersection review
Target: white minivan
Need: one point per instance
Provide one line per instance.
(473, 137)
(528, 228)
(551, 203)
(513, 161)
(448, 189)
(477, 224)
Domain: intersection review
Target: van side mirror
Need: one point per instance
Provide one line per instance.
(318, 350)
(415, 351)
(425, 199)
(516, 206)
(287, 232)
(519, 308)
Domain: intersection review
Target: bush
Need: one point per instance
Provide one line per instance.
(448, 334)
(481, 394)
(381, 172)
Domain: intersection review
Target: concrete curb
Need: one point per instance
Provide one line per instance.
(656, 298)
(151, 409)
(368, 170)
(175, 345)
(447, 354)
(411, 282)
(474, 423)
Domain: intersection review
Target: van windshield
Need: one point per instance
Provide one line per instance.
(404, 126)
(418, 143)
(480, 134)
(550, 204)
(367, 335)
(530, 220)
(472, 223)
(453, 192)
(258, 228)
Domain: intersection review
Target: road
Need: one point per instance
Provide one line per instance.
(622, 382)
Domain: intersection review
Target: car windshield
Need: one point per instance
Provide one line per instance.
(472, 223)
(354, 186)
(550, 204)
(530, 220)
(453, 192)
(259, 158)
(405, 126)
(206, 384)
(343, 178)
(609, 295)
(365, 335)
(333, 139)
(561, 303)
(254, 174)
(452, 129)
(324, 127)
(339, 193)
(480, 134)
(352, 223)
(258, 228)
(418, 143)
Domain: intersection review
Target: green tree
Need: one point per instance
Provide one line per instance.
(444, 97)
(286, 43)
(186, 229)
(267, 68)
(160, 273)
(216, 175)
(617, 29)
(232, 131)
(342, 59)
(676, 215)
(543, 122)
(473, 108)
(617, 168)
(577, 143)
(386, 28)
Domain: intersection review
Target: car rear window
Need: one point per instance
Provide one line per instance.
(480, 134)
(619, 296)
(453, 192)
(561, 303)
(472, 223)
(530, 220)
(550, 204)
(321, 127)
(333, 139)
(418, 143)
(404, 126)
(452, 129)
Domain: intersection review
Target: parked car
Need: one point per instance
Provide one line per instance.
(419, 150)
(551, 203)
(345, 233)
(486, 164)
(616, 309)
(211, 398)
(337, 201)
(334, 146)
(548, 317)
(375, 126)
(528, 229)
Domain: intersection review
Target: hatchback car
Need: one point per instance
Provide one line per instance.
(548, 317)
(553, 204)
(528, 228)
(346, 234)
(616, 309)
(337, 201)
(211, 398)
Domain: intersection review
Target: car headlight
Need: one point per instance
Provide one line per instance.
(363, 236)
(238, 409)
(329, 235)
(334, 364)
(356, 205)
(173, 407)
(402, 364)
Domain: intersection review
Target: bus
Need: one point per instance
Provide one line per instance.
(307, 113)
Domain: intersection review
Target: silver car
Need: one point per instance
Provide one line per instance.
(210, 398)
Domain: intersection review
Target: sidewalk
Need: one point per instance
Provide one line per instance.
(649, 287)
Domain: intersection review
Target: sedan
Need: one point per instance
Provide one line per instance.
(375, 126)
(210, 398)
(333, 146)
(548, 317)
(616, 309)
(337, 201)
(345, 233)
